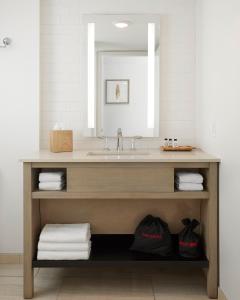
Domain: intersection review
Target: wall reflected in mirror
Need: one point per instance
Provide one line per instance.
(123, 82)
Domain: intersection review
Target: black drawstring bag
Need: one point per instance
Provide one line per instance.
(152, 236)
(189, 241)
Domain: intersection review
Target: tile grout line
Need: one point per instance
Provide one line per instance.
(59, 289)
(153, 289)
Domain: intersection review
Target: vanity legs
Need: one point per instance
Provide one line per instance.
(28, 283)
(211, 233)
(31, 230)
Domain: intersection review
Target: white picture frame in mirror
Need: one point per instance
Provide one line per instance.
(117, 91)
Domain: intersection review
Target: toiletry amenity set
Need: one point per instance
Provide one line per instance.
(172, 145)
(170, 142)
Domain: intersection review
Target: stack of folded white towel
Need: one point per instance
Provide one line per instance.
(189, 181)
(51, 181)
(64, 242)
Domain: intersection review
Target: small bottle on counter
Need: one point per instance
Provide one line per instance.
(175, 143)
(165, 144)
(170, 142)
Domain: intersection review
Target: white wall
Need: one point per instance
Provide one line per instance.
(18, 112)
(218, 107)
(61, 82)
(63, 59)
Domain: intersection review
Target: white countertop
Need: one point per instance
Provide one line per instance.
(154, 155)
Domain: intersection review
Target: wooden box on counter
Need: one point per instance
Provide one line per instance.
(61, 141)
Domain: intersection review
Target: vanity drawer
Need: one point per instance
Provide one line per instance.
(120, 179)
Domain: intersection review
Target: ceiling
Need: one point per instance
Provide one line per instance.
(133, 38)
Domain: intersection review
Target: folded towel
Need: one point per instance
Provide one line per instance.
(192, 177)
(45, 246)
(65, 233)
(63, 255)
(51, 176)
(51, 186)
(186, 186)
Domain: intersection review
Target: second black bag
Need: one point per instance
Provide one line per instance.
(152, 236)
(189, 241)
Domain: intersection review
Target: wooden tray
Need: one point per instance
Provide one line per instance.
(178, 148)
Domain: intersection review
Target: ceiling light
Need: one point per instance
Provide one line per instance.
(121, 25)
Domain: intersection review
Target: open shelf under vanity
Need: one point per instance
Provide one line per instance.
(115, 248)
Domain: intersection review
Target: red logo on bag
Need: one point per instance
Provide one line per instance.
(152, 236)
(189, 245)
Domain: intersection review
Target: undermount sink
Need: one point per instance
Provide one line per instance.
(115, 152)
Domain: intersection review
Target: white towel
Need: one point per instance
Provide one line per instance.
(63, 255)
(51, 176)
(45, 246)
(51, 186)
(65, 233)
(186, 186)
(188, 177)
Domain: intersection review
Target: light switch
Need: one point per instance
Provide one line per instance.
(213, 130)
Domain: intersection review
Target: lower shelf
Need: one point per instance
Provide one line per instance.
(115, 248)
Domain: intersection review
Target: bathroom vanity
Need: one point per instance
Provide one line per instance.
(113, 193)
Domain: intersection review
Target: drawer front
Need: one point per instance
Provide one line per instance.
(120, 179)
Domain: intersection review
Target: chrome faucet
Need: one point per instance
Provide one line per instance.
(119, 140)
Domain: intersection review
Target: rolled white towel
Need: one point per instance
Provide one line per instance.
(63, 255)
(65, 233)
(51, 176)
(186, 186)
(46, 246)
(189, 177)
(51, 186)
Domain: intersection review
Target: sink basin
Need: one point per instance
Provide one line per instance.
(115, 152)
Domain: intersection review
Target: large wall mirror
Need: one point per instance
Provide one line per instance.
(123, 59)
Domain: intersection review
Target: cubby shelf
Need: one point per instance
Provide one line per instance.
(115, 195)
(115, 248)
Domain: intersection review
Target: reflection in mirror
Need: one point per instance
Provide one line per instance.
(123, 58)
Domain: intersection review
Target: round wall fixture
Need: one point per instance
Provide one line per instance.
(6, 42)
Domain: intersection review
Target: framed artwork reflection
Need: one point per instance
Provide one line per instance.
(117, 91)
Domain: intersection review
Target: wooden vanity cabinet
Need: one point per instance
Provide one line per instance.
(113, 197)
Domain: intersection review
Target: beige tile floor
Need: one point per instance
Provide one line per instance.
(116, 282)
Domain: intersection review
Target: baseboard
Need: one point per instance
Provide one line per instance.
(11, 258)
(221, 295)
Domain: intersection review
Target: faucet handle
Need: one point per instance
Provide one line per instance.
(133, 141)
(105, 138)
(133, 145)
(106, 143)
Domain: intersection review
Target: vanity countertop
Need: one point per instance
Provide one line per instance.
(154, 155)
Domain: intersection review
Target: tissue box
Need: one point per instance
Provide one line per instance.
(61, 141)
